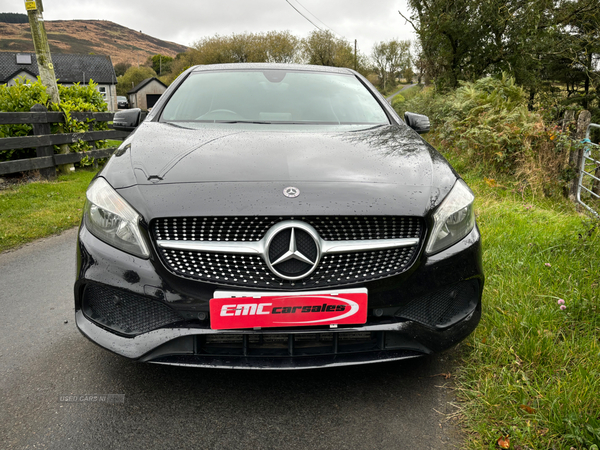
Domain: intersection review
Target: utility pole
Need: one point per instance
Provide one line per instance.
(35, 8)
(355, 60)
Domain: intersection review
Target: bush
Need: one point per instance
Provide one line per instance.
(22, 96)
(487, 123)
(397, 100)
(133, 77)
(78, 98)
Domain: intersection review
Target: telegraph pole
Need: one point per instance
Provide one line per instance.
(35, 8)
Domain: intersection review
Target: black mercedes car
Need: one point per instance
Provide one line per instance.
(276, 217)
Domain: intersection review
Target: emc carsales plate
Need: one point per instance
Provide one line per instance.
(235, 310)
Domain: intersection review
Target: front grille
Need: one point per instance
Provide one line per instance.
(443, 308)
(124, 312)
(251, 270)
(332, 228)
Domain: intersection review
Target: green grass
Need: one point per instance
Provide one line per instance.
(35, 210)
(113, 143)
(531, 371)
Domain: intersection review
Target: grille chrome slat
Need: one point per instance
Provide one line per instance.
(257, 248)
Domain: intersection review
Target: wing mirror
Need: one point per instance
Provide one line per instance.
(127, 120)
(417, 122)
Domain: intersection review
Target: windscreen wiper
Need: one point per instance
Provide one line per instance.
(243, 121)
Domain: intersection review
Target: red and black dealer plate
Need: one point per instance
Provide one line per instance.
(232, 310)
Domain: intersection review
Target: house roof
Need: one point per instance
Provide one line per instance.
(68, 68)
(145, 83)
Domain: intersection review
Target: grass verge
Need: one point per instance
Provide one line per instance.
(35, 210)
(531, 370)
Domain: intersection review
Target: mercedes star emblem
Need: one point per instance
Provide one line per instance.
(292, 249)
(292, 252)
(291, 192)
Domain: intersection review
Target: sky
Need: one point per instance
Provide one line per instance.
(187, 21)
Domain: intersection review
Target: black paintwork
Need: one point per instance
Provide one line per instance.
(228, 169)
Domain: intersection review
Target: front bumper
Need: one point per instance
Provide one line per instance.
(405, 318)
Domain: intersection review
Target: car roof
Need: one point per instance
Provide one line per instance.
(273, 66)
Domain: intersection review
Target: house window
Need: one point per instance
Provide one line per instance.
(102, 90)
(23, 58)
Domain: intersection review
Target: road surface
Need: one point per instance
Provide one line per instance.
(389, 99)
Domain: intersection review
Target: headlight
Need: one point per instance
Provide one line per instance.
(453, 220)
(110, 218)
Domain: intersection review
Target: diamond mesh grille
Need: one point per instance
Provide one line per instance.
(125, 312)
(332, 228)
(250, 270)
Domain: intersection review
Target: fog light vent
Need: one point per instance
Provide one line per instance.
(443, 308)
(124, 312)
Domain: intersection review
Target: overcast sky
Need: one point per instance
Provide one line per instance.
(186, 21)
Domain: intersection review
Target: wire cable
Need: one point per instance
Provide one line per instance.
(327, 26)
(299, 12)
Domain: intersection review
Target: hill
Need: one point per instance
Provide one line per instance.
(100, 37)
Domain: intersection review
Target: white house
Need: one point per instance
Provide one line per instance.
(69, 69)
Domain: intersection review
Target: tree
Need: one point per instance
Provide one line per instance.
(247, 47)
(391, 58)
(282, 47)
(121, 68)
(274, 46)
(13, 18)
(579, 48)
(538, 42)
(133, 77)
(324, 49)
(161, 64)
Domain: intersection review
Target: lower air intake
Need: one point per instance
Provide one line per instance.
(124, 312)
(443, 308)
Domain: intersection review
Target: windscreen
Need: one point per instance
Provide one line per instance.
(273, 96)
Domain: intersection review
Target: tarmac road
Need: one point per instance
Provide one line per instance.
(391, 97)
(44, 358)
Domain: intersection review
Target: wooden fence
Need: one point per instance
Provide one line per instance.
(42, 141)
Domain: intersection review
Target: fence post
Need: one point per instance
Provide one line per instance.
(47, 150)
(576, 156)
(93, 143)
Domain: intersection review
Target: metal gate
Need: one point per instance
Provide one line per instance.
(588, 191)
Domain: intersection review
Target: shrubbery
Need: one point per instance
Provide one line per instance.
(21, 97)
(397, 100)
(488, 123)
